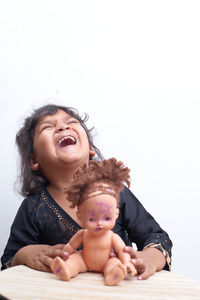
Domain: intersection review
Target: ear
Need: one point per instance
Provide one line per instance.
(91, 154)
(34, 164)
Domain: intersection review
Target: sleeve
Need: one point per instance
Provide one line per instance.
(141, 227)
(24, 231)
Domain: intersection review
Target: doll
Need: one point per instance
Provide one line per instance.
(95, 192)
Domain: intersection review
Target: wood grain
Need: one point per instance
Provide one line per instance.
(23, 283)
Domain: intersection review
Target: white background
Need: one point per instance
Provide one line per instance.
(134, 67)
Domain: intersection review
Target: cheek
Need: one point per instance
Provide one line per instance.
(113, 222)
(85, 139)
(42, 152)
(88, 224)
(41, 144)
(110, 224)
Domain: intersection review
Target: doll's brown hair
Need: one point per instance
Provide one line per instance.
(107, 176)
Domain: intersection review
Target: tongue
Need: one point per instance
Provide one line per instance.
(67, 142)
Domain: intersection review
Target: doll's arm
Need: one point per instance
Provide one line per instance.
(74, 242)
(118, 245)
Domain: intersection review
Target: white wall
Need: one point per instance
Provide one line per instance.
(133, 66)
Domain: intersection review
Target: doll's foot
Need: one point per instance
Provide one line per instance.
(115, 274)
(59, 268)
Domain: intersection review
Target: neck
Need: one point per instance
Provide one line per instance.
(61, 178)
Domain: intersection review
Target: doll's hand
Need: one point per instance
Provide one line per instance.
(136, 261)
(146, 262)
(131, 268)
(68, 249)
(39, 257)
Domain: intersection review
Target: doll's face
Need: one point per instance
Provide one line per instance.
(98, 213)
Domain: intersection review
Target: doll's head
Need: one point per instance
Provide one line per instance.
(95, 192)
(105, 177)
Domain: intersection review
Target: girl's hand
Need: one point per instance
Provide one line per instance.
(146, 262)
(39, 257)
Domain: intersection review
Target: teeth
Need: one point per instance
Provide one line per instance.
(67, 137)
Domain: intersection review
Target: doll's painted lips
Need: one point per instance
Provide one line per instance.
(66, 141)
(98, 228)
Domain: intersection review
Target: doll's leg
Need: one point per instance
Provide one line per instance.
(114, 271)
(69, 268)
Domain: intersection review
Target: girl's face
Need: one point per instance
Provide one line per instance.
(60, 139)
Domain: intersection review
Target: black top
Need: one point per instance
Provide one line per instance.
(40, 220)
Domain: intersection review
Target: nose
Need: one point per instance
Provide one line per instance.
(99, 222)
(61, 127)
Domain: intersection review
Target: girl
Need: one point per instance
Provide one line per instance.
(53, 143)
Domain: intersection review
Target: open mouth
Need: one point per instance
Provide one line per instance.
(67, 141)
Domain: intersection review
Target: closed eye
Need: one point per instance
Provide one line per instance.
(73, 121)
(46, 127)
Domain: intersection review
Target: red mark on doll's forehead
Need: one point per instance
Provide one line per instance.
(103, 207)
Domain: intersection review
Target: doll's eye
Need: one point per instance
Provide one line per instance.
(107, 218)
(91, 219)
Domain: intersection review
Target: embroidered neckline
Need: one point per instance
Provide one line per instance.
(52, 207)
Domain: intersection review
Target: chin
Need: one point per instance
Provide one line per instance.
(74, 159)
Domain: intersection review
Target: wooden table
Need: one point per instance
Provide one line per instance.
(23, 283)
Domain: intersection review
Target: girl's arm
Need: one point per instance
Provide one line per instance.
(142, 229)
(152, 241)
(38, 257)
(147, 262)
(32, 227)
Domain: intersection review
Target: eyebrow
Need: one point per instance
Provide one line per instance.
(48, 121)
